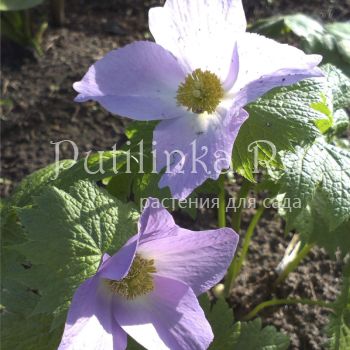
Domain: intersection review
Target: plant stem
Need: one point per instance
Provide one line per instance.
(291, 301)
(242, 194)
(247, 240)
(222, 203)
(294, 263)
(27, 25)
(238, 261)
(57, 12)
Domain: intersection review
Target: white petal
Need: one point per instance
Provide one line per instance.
(265, 64)
(200, 33)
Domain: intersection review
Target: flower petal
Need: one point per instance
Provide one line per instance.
(266, 64)
(138, 81)
(206, 143)
(104, 258)
(168, 318)
(155, 220)
(233, 72)
(120, 338)
(117, 266)
(90, 324)
(195, 31)
(199, 259)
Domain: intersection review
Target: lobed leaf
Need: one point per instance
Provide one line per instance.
(276, 121)
(33, 184)
(68, 232)
(339, 83)
(319, 178)
(251, 336)
(338, 328)
(220, 317)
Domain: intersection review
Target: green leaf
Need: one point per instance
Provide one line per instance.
(95, 167)
(323, 124)
(10, 227)
(220, 317)
(144, 183)
(318, 179)
(339, 83)
(300, 24)
(19, 329)
(338, 328)
(133, 345)
(64, 173)
(314, 227)
(341, 121)
(282, 117)
(324, 168)
(120, 186)
(68, 233)
(138, 131)
(290, 115)
(209, 187)
(334, 51)
(341, 30)
(251, 336)
(33, 184)
(15, 5)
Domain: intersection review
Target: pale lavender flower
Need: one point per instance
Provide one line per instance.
(148, 288)
(202, 71)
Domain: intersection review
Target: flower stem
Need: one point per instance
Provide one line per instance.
(27, 24)
(238, 261)
(294, 263)
(57, 12)
(222, 203)
(291, 301)
(242, 194)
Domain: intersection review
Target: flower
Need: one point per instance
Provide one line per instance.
(148, 288)
(197, 77)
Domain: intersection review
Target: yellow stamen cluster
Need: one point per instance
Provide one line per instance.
(139, 280)
(200, 92)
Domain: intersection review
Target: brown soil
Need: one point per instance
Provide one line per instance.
(317, 277)
(43, 111)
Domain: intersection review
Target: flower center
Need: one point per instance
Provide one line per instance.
(200, 92)
(139, 280)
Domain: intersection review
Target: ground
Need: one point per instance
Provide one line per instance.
(43, 112)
